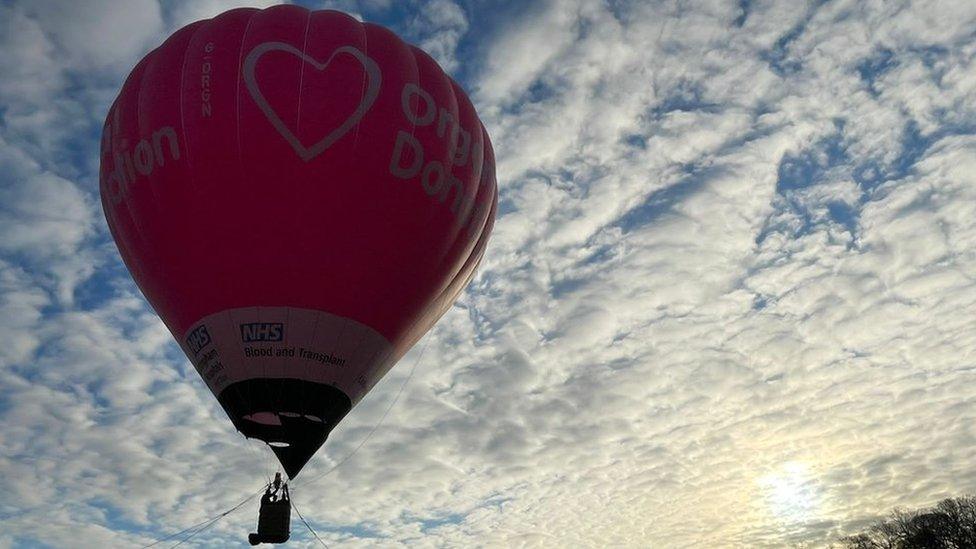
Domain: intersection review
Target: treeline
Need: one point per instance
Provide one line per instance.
(949, 525)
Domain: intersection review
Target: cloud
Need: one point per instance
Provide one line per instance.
(45, 220)
(21, 308)
(98, 36)
(178, 13)
(727, 301)
(441, 24)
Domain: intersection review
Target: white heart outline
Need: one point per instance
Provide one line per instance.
(374, 78)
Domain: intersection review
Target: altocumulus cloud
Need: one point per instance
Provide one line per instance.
(728, 301)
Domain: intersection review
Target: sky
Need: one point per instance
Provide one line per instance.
(728, 302)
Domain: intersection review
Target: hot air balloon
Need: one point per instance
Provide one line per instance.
(299, 196)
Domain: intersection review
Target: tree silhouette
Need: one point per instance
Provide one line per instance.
(949, 525)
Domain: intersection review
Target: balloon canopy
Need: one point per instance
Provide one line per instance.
(300, 196)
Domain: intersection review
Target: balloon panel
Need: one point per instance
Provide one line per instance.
(300, 196)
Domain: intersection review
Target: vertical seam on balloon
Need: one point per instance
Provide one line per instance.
(255, 316)
(270, 363)
(152, 58)
(474, 248)
(416, 68)
(138, 84)
(237, 118)
(478, 251)
(306, 371)
(433, 299)
(311, 340)
(284, 360)
(437, 299)
(372, 378)
(186, 59)
(297, 220)
(301, 73)
(419, 319)
(449, 165)
(367, 366)
(229, 321)
(474, 170)
(281, 384)
(237, 95)
(370, 317)
(412, 57)
(471, 215)
(362, 337)
(362, 89)
(485, 224)
(114, 113)
(335, 346)
(486, 177)
(432, 205)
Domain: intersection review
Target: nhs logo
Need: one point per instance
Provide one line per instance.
(198, 339)
(262, 331)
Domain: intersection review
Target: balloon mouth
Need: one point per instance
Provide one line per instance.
(264, 418)
(294, 417)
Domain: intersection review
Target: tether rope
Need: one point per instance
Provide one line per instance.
(307, 525)
(205, 525)
(201, 526)
(378, 423)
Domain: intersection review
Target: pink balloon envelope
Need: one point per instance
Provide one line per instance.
(300, 196)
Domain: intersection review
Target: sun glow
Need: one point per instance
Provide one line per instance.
(791, 492)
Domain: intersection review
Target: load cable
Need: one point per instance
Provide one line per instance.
(201, 526)
(378, 423)
(307, 525)
(205, 525)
